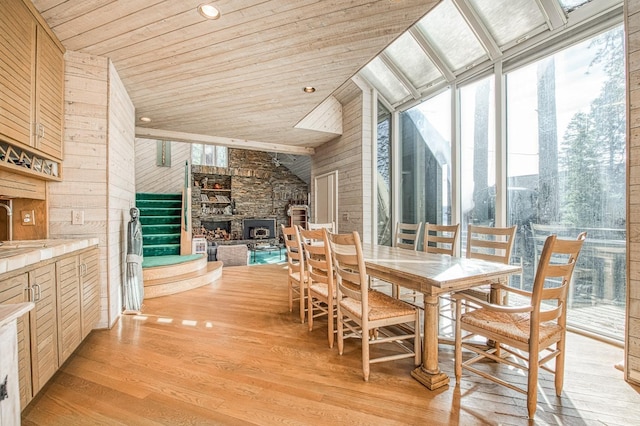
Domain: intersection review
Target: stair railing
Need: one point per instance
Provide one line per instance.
(185, 228)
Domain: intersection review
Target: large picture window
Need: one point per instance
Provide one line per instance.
(566, 170)
(426, 161)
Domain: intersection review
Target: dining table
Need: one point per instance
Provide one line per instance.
(433, 275)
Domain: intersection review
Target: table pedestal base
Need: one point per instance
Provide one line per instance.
(431, 381)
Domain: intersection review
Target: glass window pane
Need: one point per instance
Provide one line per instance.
(426, 161)
(452, 38)
(569, 5)
(478, 155)
(385, 224)
(508, 20)
(209, 155)
(566, 169)
(413, 61)
(381, 77)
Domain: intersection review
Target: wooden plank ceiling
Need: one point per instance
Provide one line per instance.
(240, 76)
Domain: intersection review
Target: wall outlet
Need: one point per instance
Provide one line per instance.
(28, 217)
(77, 217)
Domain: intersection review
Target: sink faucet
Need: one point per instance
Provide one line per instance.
(9, 218)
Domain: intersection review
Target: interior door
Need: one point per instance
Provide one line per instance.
(325, 206)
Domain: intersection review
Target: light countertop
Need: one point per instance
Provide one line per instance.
(18, 254)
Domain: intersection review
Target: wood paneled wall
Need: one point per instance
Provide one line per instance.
(632, 30)
(99, 175)
(156, 179)
(121, 185)
(350, 154)
(85, 165)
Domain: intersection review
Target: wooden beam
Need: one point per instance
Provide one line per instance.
(170, 135)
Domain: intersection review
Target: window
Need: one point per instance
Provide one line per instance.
(566, 169)
(426, 158)
(384, 176)
(477, 152)
(209, 155)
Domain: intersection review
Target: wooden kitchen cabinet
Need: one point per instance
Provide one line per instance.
(31, 82)
(13, 290)
(66, 294)
(43, 325)
(89, 290)
(78, 300)
(69, 326)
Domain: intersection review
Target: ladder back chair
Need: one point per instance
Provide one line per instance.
(528, 336)
(329, 226)
(297, 274)
(321, 289)
(368, 314)
(407, 236)
(440, 239)
(492, 244)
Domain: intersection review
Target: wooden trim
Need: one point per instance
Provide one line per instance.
(143, 132)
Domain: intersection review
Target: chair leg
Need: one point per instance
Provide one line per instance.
(340, 326)
(458, 344)
(302, 299)
(417, 341)
(310, 310)
(559, 379)
(290, 295)
(330, 318)
(366, 366)
(532, 383)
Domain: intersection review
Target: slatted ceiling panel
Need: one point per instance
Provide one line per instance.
(219, 77)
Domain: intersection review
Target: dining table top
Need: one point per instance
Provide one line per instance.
(431, 273)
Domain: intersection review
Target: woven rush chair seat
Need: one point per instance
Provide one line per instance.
(381, 306)
(516, 326)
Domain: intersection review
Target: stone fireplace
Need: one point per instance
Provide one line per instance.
(258, 229)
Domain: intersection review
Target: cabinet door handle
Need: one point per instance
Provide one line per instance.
(31, 296)
(38, 292)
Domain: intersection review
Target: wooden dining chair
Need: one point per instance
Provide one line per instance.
(368, 314)
(441, 239)
(321, 289)
(526, 337)
(492, 244)
(329, 226)
(407, 236)
(297, 274)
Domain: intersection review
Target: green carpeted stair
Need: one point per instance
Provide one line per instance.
(160, 218)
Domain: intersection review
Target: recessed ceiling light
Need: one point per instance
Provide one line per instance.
(209, 11)
(145, 119)
(309, 89)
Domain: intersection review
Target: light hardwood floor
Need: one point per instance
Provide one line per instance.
(232, 353)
